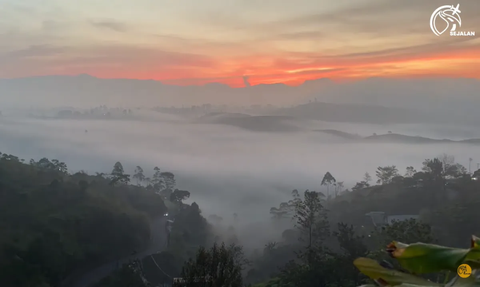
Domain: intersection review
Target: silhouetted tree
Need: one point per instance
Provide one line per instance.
(367, 178)
(217, 266)
(139, 176)
(410, 171)
(179, 195)
(328, 180)
(385, 174)
(311, 218)
(118, 175)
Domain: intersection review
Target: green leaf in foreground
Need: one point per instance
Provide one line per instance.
(421, 258)
(464, 282)
(375, 271)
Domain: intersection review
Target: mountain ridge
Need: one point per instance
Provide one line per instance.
(395, 138)
(87, 90)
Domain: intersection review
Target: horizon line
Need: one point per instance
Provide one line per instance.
(165, 82)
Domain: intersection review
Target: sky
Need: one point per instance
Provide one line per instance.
(236, 42)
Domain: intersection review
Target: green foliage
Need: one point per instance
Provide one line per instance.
(128, 275)
(54, 224)
(386, 174)
(421, 258)
(179, 195)
(189, 231)
(310, 217)
(217, 266)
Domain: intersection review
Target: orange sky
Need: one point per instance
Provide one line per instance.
(222, 41)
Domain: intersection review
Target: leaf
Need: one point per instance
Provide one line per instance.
(464, 282)
(421, 258)
(375, 271)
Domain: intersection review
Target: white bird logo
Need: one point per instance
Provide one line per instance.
(448, 13)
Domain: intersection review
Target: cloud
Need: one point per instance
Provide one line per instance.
(110, 25)
(219, 43)
(226, 169)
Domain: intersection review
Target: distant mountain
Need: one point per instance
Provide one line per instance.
(341, 134)
(355, 113)
(395, 138)
(456, 99)
(86, 91)
(442, 100)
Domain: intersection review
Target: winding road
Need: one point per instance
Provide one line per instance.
(157, 244)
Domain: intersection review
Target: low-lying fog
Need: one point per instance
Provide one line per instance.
(227, 169)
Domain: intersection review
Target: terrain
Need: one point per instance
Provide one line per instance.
(401, 100)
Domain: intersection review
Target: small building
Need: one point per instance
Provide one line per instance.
(379, 218)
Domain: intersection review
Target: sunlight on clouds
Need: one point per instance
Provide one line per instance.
(284, 41)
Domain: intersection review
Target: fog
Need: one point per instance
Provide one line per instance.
(228, 169)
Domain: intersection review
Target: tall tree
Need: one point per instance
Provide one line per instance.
(179, 195)
(217, 266)
(311, 218)
(59, 166)
(410, 171)
(138, 175)
(386, 174)
(157, 180)
(169, 180)
(338, 188)
(367, 178)
(328, 180)
(118, 175)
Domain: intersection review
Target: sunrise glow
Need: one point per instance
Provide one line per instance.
(270, 42)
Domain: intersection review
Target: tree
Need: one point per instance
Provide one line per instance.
(217, 266)
(157, 180)
(443, 167)
(285, 210)
(398, 180)
(385, 174)
(311, 218)
(179, 195)
(338, 188)
(139, 176)
(169, 180)
(360, 185)
(367, 178)
(59, 166)
(434, 167)
(352, 246)
(410, 171)
(118, 175)
(407, 231)
(328, 180)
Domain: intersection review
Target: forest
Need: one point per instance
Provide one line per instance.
(57, 226)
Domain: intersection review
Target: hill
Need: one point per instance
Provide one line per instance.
(354, 113)
(395, 138)
(432, 99)
(55, 223)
